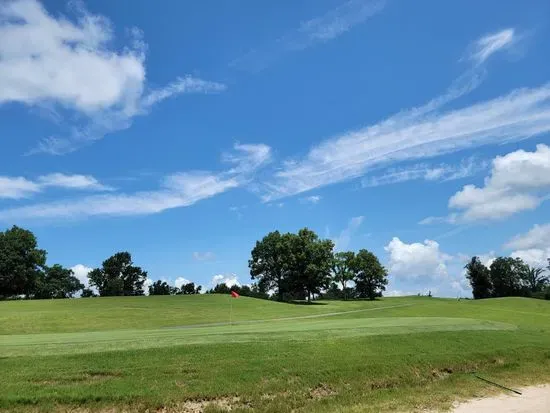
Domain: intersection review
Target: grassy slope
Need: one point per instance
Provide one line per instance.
(352, 361)
(95, 314)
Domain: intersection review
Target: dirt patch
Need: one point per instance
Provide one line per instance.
(321, 391)
(199, 406)
(442, 373)
(535, 399)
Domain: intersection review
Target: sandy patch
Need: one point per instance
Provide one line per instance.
(535, 399)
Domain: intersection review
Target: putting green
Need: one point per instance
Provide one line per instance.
(269, 330)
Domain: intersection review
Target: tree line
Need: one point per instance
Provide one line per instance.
(507, 277)
(302, 266)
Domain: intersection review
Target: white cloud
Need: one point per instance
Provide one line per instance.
(176, 190)
(19, 187)
(320, 29)
(81, 272)
(146, 284)
(421, 132)
(181, 281)
(536, 237)
(44, 58)
(441, 172)
(336, 22)
(519, 181)
(535, 257)
(341, 243)
(179, 191)
(532, 247)
(228, 279)
(487, 259)
(72, 182)
(416, 260)
(204, 256)
(186, 84)
(248, 158)
(313, 199)
(483, 48)
(71, 65)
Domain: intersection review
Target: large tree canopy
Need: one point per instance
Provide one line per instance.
(342, 272)
(118, 276)
(370, 276)
(508, 276)
(21, 262)
(310, 263)
(57, 282)
(480, 278)
(269, 263)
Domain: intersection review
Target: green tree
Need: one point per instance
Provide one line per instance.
(189, 288)
(370, 276)
(160, 288)
(57, 282)
(341, 270)
(310, 263)
(118, 276)
(222, 289)
(269, 263)
(88, 292)
(508, 277)
(535, 279)
(480, 278)
(21, 262)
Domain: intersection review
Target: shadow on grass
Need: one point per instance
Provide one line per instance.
(305, 302)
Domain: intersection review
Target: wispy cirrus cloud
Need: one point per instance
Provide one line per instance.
(71, 68)
(342, 241)
(317, 30)
(204, 256)
(175, 191)
(19, 187)
(421, 132)
(312, 199)
(484, 47)
(437, 173)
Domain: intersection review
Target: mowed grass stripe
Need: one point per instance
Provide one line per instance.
(90, 342)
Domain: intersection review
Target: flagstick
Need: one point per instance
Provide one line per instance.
(230, 309)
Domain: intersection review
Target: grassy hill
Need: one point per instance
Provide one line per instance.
(180, 352)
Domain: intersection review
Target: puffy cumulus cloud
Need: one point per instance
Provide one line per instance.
(72, 65)
(46, 58)
(416, 260)
(228, 279)
(533, 247)
(81, 272)
(148, 282)
(519, 181)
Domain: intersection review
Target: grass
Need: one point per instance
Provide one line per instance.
(179, 353)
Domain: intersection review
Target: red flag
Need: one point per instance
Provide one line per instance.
(234, 294)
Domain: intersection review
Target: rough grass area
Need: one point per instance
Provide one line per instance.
(180, 354)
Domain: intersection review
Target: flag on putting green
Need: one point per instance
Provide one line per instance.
(234, 294)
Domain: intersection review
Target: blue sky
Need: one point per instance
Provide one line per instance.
(417, 130)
